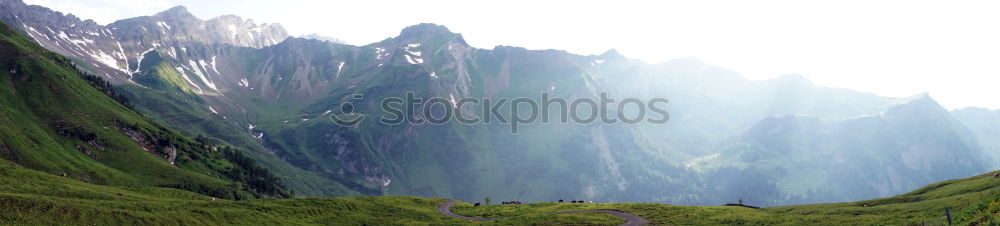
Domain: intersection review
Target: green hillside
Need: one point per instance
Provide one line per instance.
(972, 201)
(58, 120)
(169, 100)
(42, 198)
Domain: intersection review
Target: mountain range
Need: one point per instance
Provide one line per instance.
(233, 83)
(62, 121)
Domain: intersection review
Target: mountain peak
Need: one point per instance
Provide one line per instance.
(921, 104)
(425, 30)
(315, 36)
(176, 12)
(230, 17)
(176, 9)
(612, 53)
(925, 97)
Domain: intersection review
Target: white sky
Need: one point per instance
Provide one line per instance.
(892, 48)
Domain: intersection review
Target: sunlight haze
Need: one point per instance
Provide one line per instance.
(950, 49)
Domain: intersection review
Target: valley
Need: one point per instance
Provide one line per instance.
(174, 119)
(49, 199)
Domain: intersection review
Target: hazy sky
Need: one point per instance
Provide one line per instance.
(892, 48)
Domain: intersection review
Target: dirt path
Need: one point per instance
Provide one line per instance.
(446, 210)
(630, 219)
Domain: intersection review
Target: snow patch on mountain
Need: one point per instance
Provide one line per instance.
(139, 63)
(36, 32)
(414, 60)
(198, 70)
(213, 66)
(81, 43)
(189, 81)
(244, 83)
(163, 25)
(121, 53)
(232, 30)
(63, 35)
(106, 59)
(451, 99)
(410, 46)
(378, 53)
(173, 52)
(340, 68)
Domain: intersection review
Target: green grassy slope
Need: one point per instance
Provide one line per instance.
(44, 199)
(972, 201)
(54, 119)
(986, 212)
(48, 199)
(171, 101)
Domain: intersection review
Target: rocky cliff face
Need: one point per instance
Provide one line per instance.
(178, 25)
(115, 51)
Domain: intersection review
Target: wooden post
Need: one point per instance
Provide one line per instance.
(947, 212)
